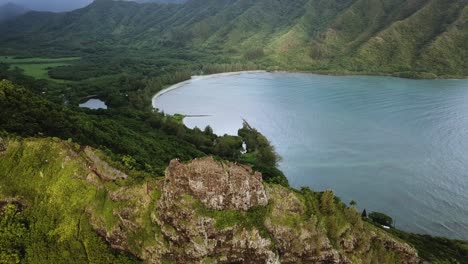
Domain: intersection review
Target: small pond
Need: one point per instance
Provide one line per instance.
(94, 104)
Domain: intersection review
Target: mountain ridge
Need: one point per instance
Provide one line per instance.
(361, 36)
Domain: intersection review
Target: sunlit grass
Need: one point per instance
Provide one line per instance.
(38, 67)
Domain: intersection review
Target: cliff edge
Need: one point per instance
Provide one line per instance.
(203, 211)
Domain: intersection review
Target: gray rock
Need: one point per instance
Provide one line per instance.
(217, 185)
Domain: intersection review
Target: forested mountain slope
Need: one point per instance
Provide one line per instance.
(407, 37)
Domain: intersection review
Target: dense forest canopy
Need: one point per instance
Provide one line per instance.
(423, 38)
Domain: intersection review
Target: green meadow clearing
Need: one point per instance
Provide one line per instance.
(38, 67)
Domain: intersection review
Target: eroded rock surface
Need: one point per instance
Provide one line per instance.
(102, 168)
(217, 185)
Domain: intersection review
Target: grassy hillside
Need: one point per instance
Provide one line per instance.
(419, 38)
(47, 186)
(60, 203)
(37, 67)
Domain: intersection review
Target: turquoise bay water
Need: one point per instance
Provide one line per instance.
(393, 145)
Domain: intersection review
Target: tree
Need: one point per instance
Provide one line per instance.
(381, 218)
(228, 147)
(208, 131)
(364, 213)
(352, 203)
(327, 202)
(12, 234)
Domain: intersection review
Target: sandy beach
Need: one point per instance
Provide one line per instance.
(200, 77)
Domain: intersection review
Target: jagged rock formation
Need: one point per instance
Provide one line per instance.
(219, 186)
(190, 208)
(193, 236)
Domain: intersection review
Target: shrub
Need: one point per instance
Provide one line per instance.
(381, 218)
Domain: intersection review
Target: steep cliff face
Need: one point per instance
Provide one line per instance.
(205, 211)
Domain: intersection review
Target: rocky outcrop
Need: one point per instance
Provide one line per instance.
(207, 211)
(193, 236)
(299, 239)
(102, 168)
(217, 185)
(408, 255)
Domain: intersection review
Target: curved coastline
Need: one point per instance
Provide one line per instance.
(224, 74)
(200, 77)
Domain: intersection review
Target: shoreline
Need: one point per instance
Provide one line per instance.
(200, 77)
(224, 74)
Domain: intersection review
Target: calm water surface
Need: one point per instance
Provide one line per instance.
(393, 145)
(94, 104)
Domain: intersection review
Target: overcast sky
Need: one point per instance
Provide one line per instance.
(50, 5)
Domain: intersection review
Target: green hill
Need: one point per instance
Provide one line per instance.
(62, 203)
(425, 38)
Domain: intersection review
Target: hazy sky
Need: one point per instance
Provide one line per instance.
(50, 5)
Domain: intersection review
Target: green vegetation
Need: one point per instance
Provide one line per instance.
(253, 218)
(381, 219)
(14, 60)
(48, 206)
(418, 39)
(37, 67)
(140, 140)
(435, 249)
(48, 199)
(261, 155)
(13, 231)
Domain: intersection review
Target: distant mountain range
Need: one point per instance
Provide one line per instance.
(426, 38)
(162, 1)
(11, 10)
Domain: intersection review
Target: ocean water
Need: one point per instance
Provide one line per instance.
(393, 145)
